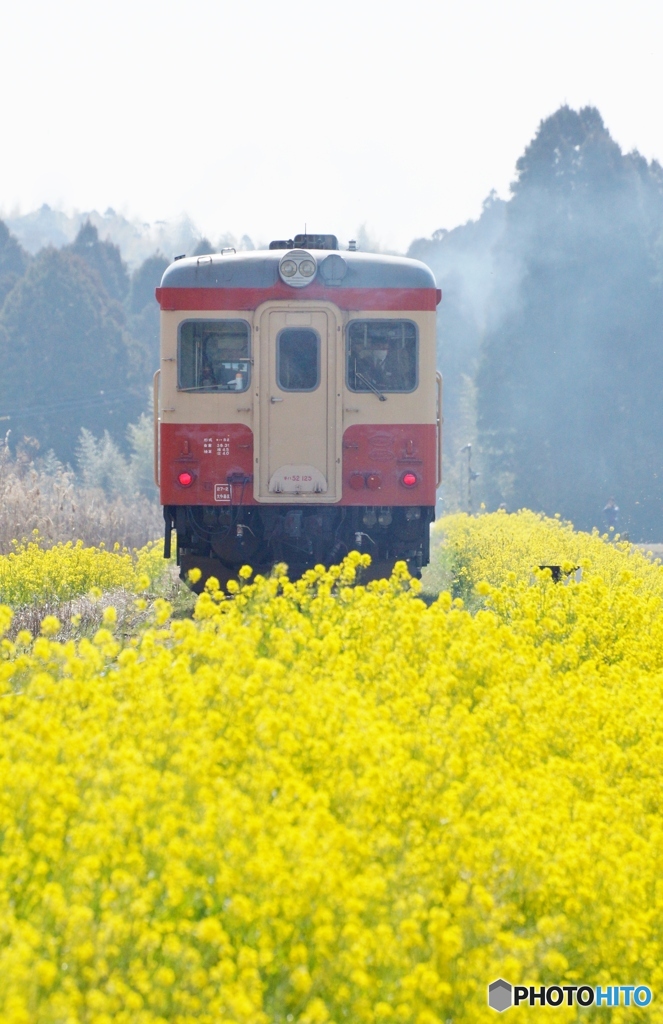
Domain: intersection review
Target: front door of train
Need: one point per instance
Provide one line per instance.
(298, 399)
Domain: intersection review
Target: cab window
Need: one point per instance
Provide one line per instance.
(382, 355)
(298, 359)
(213, 355)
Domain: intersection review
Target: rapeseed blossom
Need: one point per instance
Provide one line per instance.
(32, 574)
(495, 547)
(323, 802)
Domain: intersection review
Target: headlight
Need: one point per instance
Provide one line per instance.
(298, 268)
(288, 268)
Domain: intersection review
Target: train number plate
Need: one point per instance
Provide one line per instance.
(223, 492)
(297, 480)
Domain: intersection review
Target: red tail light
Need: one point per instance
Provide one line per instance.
(373, 481)
(185, 479)
(409, 479)
(357, 481)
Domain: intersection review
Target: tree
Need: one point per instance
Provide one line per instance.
(13, 261)
(464, 263)
(103, 257)
(570, 384)
(102, 464)
(143, 307)
(203, 248)
(66, 356)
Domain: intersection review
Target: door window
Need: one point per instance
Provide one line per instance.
(298, 359)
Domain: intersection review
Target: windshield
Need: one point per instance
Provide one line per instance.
(213, 355)
(382, 355)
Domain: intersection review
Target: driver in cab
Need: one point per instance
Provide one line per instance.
(224, 362)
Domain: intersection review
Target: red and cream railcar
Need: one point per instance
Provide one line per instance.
(297, 407)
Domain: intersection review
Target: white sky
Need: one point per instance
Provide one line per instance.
(260, 116)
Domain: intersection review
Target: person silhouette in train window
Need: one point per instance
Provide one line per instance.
(224, 362)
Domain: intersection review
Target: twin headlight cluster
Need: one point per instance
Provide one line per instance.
(297, 268)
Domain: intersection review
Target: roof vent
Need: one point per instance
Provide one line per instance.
(306, 242)
(316, 242)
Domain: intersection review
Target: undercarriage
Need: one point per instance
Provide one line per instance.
(219, 540)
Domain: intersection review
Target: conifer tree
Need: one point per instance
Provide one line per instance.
(144, 310)
(66, 356)
(13, 261)
(570, 385)
(103, 257)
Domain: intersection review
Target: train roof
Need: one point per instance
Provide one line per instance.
(260, 269)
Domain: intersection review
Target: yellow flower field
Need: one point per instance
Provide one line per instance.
(322, 802)
(32, 574)
(496, 547)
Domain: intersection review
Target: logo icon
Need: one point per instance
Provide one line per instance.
(500, 995)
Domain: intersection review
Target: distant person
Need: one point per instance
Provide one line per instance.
(611, 514)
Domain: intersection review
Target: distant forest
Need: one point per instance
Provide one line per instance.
(550, 336)
(79, 341)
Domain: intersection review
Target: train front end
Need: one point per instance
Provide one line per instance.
(297, 408)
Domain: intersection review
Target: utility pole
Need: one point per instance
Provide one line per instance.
(466, 481)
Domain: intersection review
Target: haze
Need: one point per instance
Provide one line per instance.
(263, 117)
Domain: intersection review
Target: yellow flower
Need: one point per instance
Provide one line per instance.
(50, 625)
(109, 617)
(6, 616)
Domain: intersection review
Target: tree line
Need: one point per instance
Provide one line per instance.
(78, 340)
(551, 333)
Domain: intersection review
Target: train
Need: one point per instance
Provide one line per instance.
(298, 410)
